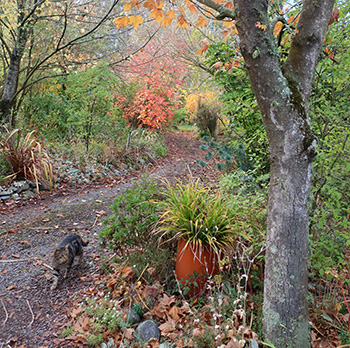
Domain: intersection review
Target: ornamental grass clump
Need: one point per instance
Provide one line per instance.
(27, 157)
(197, 215)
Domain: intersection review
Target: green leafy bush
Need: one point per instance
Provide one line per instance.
(48, 112)
(206, 118)
(330, 195)
(180, 117)
(243, 121)
(133, 216)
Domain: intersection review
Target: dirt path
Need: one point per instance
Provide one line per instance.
(30, 313)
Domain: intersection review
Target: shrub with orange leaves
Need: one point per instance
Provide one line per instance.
(158, 76)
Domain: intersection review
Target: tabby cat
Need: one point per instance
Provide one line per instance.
(65, 254)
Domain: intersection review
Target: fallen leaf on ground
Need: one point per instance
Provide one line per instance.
(168, 326)
(128, 333)
(24, 242)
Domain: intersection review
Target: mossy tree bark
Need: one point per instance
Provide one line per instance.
(282, 91)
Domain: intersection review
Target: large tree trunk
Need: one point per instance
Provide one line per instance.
(282, 94)
(10, 89)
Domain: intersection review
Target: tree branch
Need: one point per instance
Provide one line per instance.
(68, 44)
(224, 12)
(307, 43)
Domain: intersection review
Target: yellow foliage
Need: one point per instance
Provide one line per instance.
(192, 100)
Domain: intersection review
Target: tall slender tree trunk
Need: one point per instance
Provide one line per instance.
(8, 97)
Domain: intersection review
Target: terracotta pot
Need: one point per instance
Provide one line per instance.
(200, 260)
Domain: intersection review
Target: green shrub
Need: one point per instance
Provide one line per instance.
(149, 142)
(155, 264)
(207, 118)
(180, 117)
(133, 216)
(5, 168)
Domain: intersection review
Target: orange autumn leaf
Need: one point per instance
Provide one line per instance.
(217, 65)
(234, 31)
(171, 14)
(165, 21)
(135, 21)
(201, 22)
(149, 4)
(277, 28)
(181, 22)
(228, 24)
(202, 50)
(293, 19)
(121, 22)
(157, 14)
(261, 26)
(191, 6)
(334, 16)
(132, 3)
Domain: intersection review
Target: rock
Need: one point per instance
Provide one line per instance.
(147, 330)
(5, 198)
(166, 345)
(16, 196)
(13, 189)
(24, 187)
(28, 194)
(132, 317)
(6, 193)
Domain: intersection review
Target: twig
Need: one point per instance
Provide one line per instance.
(142, 272)
(141, 299)
(31, 312)
(6, 314)
(47, 266)
(18, 260)
(94, 222)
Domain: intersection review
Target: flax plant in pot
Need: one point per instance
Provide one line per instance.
(202, 223)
